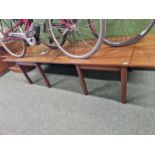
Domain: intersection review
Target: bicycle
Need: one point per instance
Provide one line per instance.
(66, 34)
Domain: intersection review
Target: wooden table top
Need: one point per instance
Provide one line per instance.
(144, 53)
(106, 56)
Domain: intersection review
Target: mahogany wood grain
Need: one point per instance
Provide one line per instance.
(107, 56)
(25, 74)
(123, 84)
(3, 65)
(82, 80)
(144, 53)
(23, 66)
(43, 75)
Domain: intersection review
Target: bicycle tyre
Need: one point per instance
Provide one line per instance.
(4, 43)
(51, 41)
(130, 41)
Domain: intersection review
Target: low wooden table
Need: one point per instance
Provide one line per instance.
(141, 55)
(106, 59)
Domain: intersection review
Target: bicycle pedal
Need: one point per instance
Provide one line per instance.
(29, 34)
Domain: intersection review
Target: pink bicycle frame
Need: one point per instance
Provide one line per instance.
(64, 22)
(26, 22)
(20, 22)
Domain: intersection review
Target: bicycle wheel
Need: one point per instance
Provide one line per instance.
(122, 32)
(13, 45)
(80, 42)
(61, 37)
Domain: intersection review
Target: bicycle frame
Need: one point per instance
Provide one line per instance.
(65, 22)
(28, 33)
(27, 24)
(20, 22)
(10, 34)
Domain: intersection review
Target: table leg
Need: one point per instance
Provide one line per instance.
(82, 80)
(25, 73)
(43, 75)
(123, 83)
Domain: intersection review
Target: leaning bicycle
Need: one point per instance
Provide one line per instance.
(74, 37)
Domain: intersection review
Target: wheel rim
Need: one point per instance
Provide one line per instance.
(14, 46)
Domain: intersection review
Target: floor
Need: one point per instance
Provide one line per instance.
(63, 109)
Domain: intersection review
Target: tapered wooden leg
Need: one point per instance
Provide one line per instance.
(82, 80)
(123, 83)
(25, 73)
(43, 75)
